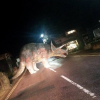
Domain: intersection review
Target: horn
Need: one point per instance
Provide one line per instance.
(52, 47)
(61, 46)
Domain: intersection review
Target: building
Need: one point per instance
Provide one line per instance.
(72, 40)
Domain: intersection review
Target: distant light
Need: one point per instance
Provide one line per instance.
(44, 41)
(99, 21)
(72, 31)
(72, 46)
(42, 35)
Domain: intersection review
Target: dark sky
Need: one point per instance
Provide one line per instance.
(22, 21)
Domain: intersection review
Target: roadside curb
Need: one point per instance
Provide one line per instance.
(14, 87)
(85, 55)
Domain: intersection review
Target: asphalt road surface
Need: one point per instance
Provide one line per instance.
(76, 77)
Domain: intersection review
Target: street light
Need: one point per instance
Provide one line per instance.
(44, 38)
(42, 35)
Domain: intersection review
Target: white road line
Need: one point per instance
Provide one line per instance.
(79, 86)
(52, 69)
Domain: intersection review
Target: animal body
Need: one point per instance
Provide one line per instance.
(33, 53)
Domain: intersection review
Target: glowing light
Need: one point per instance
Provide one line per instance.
(42, 35)
(72, 31)
(72, 46)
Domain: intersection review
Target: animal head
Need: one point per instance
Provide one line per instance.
(58, 51)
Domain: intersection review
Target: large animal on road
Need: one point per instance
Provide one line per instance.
(33, 53)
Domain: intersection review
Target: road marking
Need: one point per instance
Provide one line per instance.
(52, 69)
(16, 84)
(77, 85)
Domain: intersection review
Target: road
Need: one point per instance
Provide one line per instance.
(76, 77)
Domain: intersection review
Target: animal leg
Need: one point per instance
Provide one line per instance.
(34, 66)
(45, 63)
(29, 66)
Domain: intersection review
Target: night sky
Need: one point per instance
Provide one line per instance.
(22, 21)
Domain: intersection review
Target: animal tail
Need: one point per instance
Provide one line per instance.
(20, 70)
